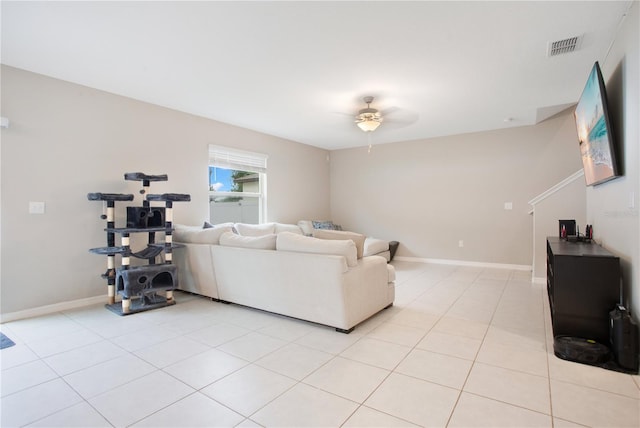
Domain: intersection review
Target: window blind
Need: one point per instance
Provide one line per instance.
(225, 157)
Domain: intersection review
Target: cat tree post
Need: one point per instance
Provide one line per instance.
(126, 261)
(169, 199)
(110, 250)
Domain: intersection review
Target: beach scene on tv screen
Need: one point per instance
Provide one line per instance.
(593, 133)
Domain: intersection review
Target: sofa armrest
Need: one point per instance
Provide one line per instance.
(373, 246)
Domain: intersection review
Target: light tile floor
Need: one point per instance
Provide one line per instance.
(461, 347)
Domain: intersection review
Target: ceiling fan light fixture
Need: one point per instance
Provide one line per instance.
(368, 119)
(368, 125)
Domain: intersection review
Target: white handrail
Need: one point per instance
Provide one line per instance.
(573, 177)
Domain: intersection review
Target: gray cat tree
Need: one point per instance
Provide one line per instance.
(139, 285)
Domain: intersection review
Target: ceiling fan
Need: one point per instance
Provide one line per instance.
(368, 119)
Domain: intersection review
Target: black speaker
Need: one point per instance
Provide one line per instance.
(624, 338)
(569, 227)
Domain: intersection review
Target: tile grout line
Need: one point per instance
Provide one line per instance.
(414, 348)
(473, 363)
(544, 297)
(388, 374)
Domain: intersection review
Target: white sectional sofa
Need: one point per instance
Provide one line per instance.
(276, 268)
(372, 246)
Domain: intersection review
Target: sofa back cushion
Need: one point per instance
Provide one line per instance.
(357, 238)
(246, 229)
(264, 242)
(283, 227)
(198, 235)
(208, 225)
(287, 241)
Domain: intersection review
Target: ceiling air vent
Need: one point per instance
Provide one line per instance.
(564, 46)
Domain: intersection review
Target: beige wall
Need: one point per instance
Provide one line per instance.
(430, 194)
(568, 203)
(609, 206)
(67, 140)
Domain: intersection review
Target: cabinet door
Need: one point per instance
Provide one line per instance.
(585, 290)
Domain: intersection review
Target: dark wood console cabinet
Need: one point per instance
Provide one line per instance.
(583, 284)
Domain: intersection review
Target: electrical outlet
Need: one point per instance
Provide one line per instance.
(461, 243)
(508, 205)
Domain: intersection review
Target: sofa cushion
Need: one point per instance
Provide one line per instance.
(198, 235)
(227, 224)
(357, 238)
(245, 229)
(282, 227)
(264, 242)
(208, 225)
(288, 241)
(373, 246)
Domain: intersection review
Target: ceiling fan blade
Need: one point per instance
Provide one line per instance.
(398, 117)
(390, 110)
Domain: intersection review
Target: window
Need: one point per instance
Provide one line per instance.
(237, 185)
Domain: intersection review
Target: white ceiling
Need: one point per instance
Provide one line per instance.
(299, 70)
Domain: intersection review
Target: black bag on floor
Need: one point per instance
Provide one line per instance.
(624, 338)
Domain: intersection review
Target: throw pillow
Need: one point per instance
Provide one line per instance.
(264, 242)
(287, 241)
(306, 226)
(325, 225)
(357, 238)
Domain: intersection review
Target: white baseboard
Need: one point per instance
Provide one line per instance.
(464, 263)
(63, 306)
(539, 280)
(49, 309)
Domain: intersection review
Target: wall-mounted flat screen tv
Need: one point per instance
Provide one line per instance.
(594, 131)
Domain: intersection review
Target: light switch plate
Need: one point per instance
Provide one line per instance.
(36, 207)
(508, 205)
